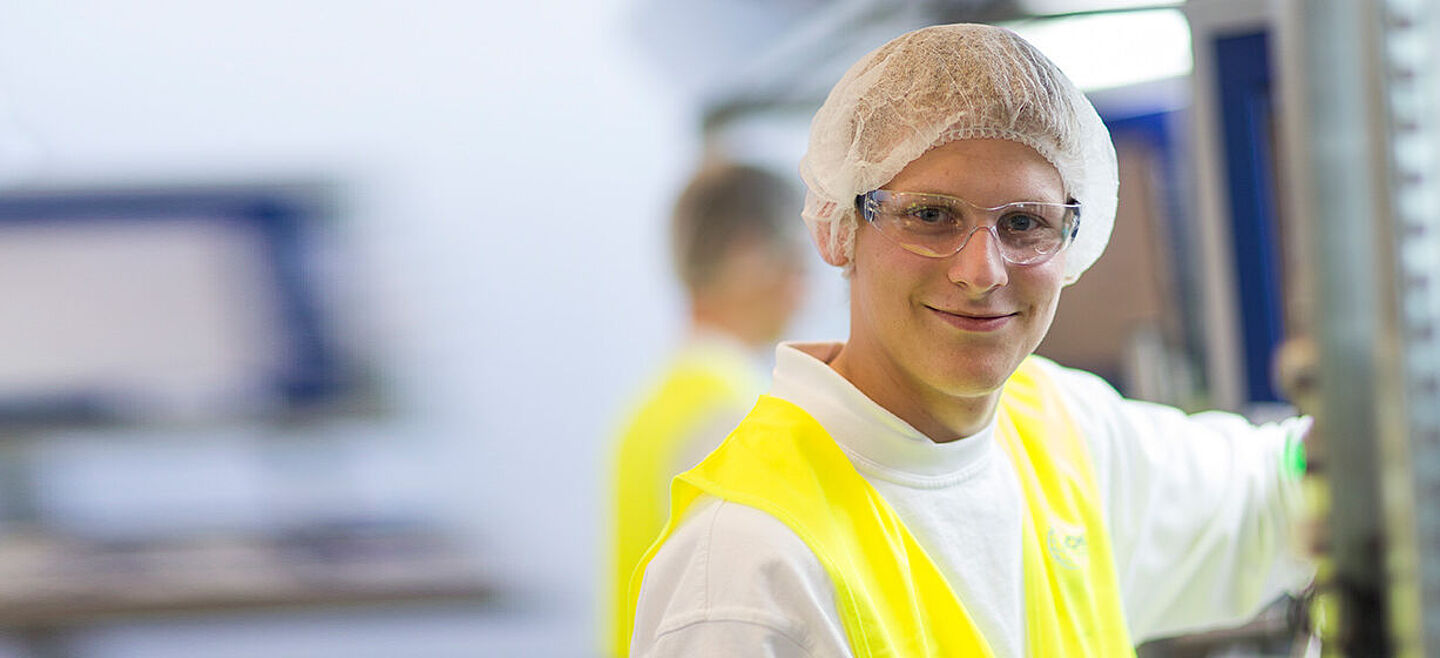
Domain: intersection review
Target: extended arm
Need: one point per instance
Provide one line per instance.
(1201, 508)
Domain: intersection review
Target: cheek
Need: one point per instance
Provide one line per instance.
(1043, 289)
(877, 299)
(1047, 314)
(882, 280)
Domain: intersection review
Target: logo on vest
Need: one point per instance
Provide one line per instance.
(1067, 546)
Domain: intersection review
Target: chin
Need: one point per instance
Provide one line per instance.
(974, 377)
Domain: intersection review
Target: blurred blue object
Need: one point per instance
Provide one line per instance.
(200, 304)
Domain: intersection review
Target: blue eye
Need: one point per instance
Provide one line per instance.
(929, 214)
(1021, 223)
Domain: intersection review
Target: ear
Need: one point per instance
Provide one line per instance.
(828, 241)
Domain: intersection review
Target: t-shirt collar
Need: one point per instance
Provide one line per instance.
(870, 434)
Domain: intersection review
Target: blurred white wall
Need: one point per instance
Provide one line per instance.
(508, 166)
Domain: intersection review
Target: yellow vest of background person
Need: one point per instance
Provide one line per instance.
(706, 380)
(892, 599)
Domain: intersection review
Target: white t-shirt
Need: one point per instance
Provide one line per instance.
(1199, 514)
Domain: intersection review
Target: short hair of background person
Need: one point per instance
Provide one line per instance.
(737, 252)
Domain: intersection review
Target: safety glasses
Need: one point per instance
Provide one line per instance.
(938, 226)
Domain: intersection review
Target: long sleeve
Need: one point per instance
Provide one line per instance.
(1201, 510)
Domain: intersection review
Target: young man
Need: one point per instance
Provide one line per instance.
(929, 488)
(736, 250)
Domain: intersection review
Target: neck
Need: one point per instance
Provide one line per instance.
(941, 416)
(718, 318)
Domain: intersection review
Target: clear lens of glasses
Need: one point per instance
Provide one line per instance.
(937, 225)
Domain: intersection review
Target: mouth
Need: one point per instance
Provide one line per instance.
(972, 321)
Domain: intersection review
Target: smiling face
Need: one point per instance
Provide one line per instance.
(934, 339)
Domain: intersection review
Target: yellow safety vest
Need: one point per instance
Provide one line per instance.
(892, 599)
(702, 382)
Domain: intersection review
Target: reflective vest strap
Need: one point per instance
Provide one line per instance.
(1072, 592)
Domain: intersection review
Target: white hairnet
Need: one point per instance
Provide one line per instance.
(944, 83)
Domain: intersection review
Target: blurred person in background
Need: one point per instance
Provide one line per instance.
(929, 487)
(739, 255)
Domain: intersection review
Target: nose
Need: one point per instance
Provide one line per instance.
(978, 266)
